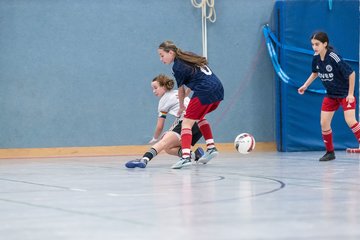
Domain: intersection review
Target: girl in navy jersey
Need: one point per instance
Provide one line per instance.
(162, 87)
(191, 70)
(339, 81)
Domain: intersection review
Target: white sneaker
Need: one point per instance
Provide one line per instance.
(210, 154)
(183, 162)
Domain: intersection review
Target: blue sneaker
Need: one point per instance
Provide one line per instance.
(210, 154)
(199, 152)
(140, 163)
(183, 162)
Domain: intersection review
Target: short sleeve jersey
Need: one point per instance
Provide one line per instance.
(169, 104)
(334, 74)
(202, 81)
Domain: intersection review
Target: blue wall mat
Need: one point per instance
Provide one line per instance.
(298, 117)
(78, 73)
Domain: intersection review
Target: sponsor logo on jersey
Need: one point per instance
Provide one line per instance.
(326, 76)
(329, 68)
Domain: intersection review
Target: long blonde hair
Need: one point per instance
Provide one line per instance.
(190, 58)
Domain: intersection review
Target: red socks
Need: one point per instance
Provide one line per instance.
(186, 137)
(206, 132)
(327, 137)
(356, 130)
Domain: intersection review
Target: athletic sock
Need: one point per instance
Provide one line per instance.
(328, 141)
(186, 137)
(205, 129)
(180, 152)
(356, 130)
(150, 154)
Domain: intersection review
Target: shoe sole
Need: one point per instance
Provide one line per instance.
(135, 164)
(205, 160)
(326, 160)
(181, 166)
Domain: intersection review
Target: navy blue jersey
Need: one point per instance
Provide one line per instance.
(202, 81)
(334, 74)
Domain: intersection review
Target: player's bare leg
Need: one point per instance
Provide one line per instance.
(169, 140)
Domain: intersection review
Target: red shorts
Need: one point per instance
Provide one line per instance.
(333, 104)
(197, 111)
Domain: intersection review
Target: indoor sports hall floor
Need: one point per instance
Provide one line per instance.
(262, 195)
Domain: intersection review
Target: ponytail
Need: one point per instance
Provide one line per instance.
(190, 58)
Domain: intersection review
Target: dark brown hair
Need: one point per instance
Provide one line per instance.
(322, 37)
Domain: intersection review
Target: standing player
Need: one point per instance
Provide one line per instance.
(339, 80)
(191, 70)
(170, 141)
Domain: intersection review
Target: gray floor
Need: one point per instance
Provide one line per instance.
(256, 196)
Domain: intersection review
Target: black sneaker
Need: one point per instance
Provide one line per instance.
(328, 156)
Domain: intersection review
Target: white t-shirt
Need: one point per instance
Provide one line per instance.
(169, 103)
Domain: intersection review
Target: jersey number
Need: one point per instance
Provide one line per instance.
(206, 70)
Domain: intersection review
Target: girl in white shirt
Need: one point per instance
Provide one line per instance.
(169, 141)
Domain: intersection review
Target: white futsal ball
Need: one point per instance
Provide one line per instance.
(244, 143)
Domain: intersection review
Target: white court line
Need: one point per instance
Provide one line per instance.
(78, 189)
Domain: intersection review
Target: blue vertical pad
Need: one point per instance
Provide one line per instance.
(298, 116)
